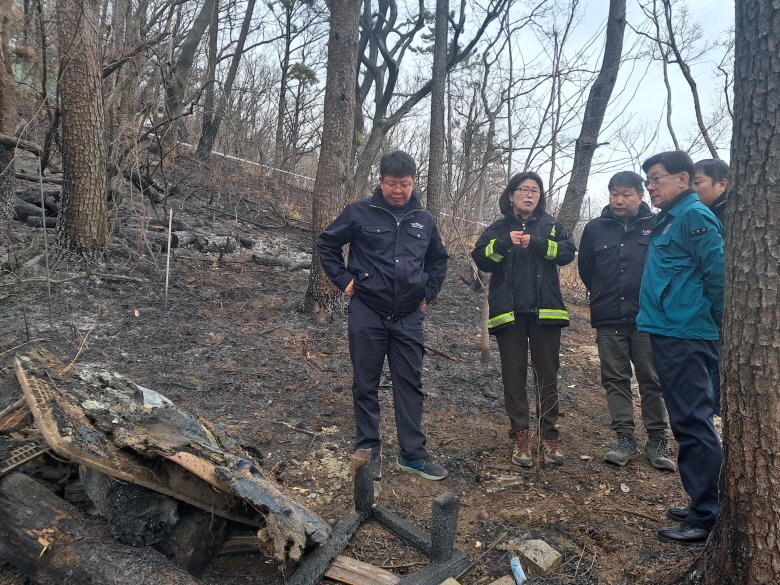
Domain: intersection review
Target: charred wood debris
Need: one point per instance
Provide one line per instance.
(105, 481)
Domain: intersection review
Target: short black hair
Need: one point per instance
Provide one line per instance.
(715, 168)
(505, 205)
(397, 164)
(628, 179)
(674, 161)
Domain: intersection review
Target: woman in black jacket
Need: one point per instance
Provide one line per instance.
(522, 252)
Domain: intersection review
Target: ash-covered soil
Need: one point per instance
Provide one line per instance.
(233, 346)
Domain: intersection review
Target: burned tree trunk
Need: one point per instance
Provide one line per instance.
(55, 544)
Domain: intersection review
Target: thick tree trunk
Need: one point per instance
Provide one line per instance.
(334, 166)
(55, 544)
(744, 547)
(7, 121)
(83, 227)
(596, 107)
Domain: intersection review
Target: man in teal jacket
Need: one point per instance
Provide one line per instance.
(680, 306)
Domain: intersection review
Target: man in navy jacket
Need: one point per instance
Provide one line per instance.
(611, 259)
(396, 266)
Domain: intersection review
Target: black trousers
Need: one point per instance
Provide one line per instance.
(684, 367)
(545, 344)
(372, 337)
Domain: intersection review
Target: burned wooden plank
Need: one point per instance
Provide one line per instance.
(436, 573)
(354, 572)
(403, 529)
(55, 544)
(444, 524)
(317, 562)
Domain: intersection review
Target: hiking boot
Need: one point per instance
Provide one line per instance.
(521, 453)
(623, 450)
(551, 450)
(657, 451)
(426, 468)
(376, 466)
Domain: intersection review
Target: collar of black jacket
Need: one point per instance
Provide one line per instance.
(643, 211)
(378, 199)
(720, 200)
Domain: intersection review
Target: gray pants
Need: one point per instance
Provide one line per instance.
(618, 348)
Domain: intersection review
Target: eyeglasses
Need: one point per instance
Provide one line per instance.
(526, 191)
(392, 185)
(654, 180)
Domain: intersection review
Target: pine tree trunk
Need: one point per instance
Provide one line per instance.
(7, 121)
(83, 226)
(744, 548)
(334, 168)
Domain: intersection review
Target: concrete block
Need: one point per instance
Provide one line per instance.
(539, 557)
(450, 581)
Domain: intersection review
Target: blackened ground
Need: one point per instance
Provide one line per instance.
(233, 346)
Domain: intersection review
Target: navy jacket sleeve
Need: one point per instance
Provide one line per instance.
(586, 261)
(435, 265)
(330, 246)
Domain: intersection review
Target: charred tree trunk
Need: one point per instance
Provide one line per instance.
(7, 120)
(595, 108)
(743, 548)
(82, 230)
(55, 544)
(332, 184)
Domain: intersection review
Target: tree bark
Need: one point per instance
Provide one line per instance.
(83, 227)
(332, 184)
(7, 121)
(743, 548)
(595, 108)
(439, 81)
(55, 544)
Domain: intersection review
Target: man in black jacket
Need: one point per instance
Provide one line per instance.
(711, 184)
(611, 261)
(396, 266)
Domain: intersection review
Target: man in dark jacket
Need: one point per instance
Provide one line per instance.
(611, 259)
(396, 266)
(711, 184)
(681, 306)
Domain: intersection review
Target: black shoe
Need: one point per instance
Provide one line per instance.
(678, 513)
(683, 533)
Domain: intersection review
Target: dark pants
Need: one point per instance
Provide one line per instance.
(684, 367)
(371, 338)
(618, 348)
(545, 343)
